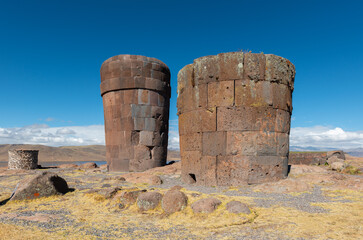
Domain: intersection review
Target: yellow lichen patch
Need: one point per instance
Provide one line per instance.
(343, 221)
(344, 194)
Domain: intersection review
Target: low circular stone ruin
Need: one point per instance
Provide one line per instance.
(23, 159)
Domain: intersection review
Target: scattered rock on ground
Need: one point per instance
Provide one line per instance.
(238, 207)
(129, 197)
(206, 205)
(68, 165)
(337, 166)
(109, 192)
(89, 165)
(103, 166)
(42, 185)
(148, 200)
(333, 159)
(174, 200)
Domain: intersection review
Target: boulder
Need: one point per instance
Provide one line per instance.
(339, 154)
(148, 200)
(333, 159)
(89, 165)
(337, 166)
(174, 200)
(42, 185)
(109, 192)
(238, 207)
(206, 205)
(68, 165)
(130, 197)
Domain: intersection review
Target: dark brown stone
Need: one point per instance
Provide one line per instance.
(148, 200)
(206, 205)
(237, 207)
(174, 201)
(42, 185)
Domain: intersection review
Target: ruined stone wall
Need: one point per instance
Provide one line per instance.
(23, 159)
(308, 158)
(136, 95)
(234, 118)
(314, 158)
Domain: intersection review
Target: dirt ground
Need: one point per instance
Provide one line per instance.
(312, 203)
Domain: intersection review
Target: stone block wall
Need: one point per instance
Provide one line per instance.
(314, 158)
(234, 118)
(23, 159)
(136, 96)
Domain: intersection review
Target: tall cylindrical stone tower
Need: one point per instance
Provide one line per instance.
(136, 95)
(234, 118)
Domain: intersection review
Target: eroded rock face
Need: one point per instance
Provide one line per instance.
(148, 200)
(234, 118)
(174, 200)
(206, 205)
(42, 185)
(238, 207)
(136, 94)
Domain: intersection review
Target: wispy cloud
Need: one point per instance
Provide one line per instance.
(53, 136)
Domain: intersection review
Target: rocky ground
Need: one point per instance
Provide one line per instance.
(314, 202)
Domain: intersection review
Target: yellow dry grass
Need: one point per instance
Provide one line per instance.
(92, 212)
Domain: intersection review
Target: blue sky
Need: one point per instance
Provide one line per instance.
(51, 53)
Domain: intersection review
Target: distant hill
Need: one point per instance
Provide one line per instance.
(55, 154)
(69, 154)
(356, 152)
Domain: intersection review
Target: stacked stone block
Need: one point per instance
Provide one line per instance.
(136, 94)
(23, 159)
(234, 118)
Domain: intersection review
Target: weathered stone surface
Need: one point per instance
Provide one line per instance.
(338, 154)
(174, 201)
(308, 158)
(148, 200)
(68, 165)
(89, 165)
(109, 192)
(337, 166)
(130, 197)
(206, 205)
(23, 159)
(42, 185)
(234, 118)
(237, 207)
(136, 93)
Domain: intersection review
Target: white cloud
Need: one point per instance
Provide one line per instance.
(54, 136)
(173, 140)
(325, 137)
(65, 131)
(317, 136)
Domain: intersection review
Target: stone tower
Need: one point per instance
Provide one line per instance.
(136, 95)
(234, 118)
